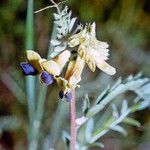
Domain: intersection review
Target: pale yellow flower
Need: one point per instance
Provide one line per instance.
(92, 51)
(48, 70)
(35, 60)
(53, 66)
(72, 76)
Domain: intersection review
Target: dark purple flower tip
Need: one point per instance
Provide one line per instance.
(28, 69)
(46, 78)
(61, 94)
(68, 96)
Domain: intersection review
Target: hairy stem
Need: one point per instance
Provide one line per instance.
(73, 122)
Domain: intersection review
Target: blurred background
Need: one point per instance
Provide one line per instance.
(124, 24)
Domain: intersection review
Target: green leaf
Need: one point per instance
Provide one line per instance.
(66, 138)
(115, 111)
(131, 121)
(102, 95)
(102, 130)
(119, 129)
(144, 91)
(124, 106)
(89, 130)
(97, 144)
(86, 104)
(116, 84)
(131, 85)
(9, 123)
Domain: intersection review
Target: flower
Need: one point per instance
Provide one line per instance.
(47, 69)
(72, 77)
(46, 78)
(28, 69)
(92, 51)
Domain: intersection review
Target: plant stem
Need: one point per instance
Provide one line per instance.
(73, 121)
(29, 44)
(30, 81)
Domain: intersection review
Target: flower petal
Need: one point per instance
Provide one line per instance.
(51, 67)
(34, 59)
(46, 78)
(28, 69)
(74, 76)
(91, 65)
(62, 59)
(32, 55)
(101, 64)
(77, 38)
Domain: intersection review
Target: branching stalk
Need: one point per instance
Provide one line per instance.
(51, 6)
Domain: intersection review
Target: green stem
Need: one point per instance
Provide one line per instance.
(38, 118)
(30, 81)
(40, 106)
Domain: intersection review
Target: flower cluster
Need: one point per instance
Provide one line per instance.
(90, 51)
(48, 70)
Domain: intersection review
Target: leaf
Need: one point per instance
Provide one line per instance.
(9, 123)
(138, 75)
(116, 84)
(60, 48)
(102, 95)
(56, 16)
(86, 104)
(89, 130)
(65, 26)
(115, 111)
(66, 138)
(144, 91)
(97, 144)
(119, 129)
(102, 130)
(55, 42)
(143, 105)
(136, 84)
(131, 85)
(94, 110)
(72, 22)
(13, 86)
(140, 106)
(131, 121)
(124, 106)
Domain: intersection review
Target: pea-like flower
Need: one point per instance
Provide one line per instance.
(94, 52)
(72, 77)
(47, 70)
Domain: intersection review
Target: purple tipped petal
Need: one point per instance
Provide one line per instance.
(46, 78)
(61, 94)
(28, 69)
(68, 96)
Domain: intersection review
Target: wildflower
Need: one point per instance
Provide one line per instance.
(92, 51)
(28, 69)
(72, 77)
(47, 69)
(46, 78)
